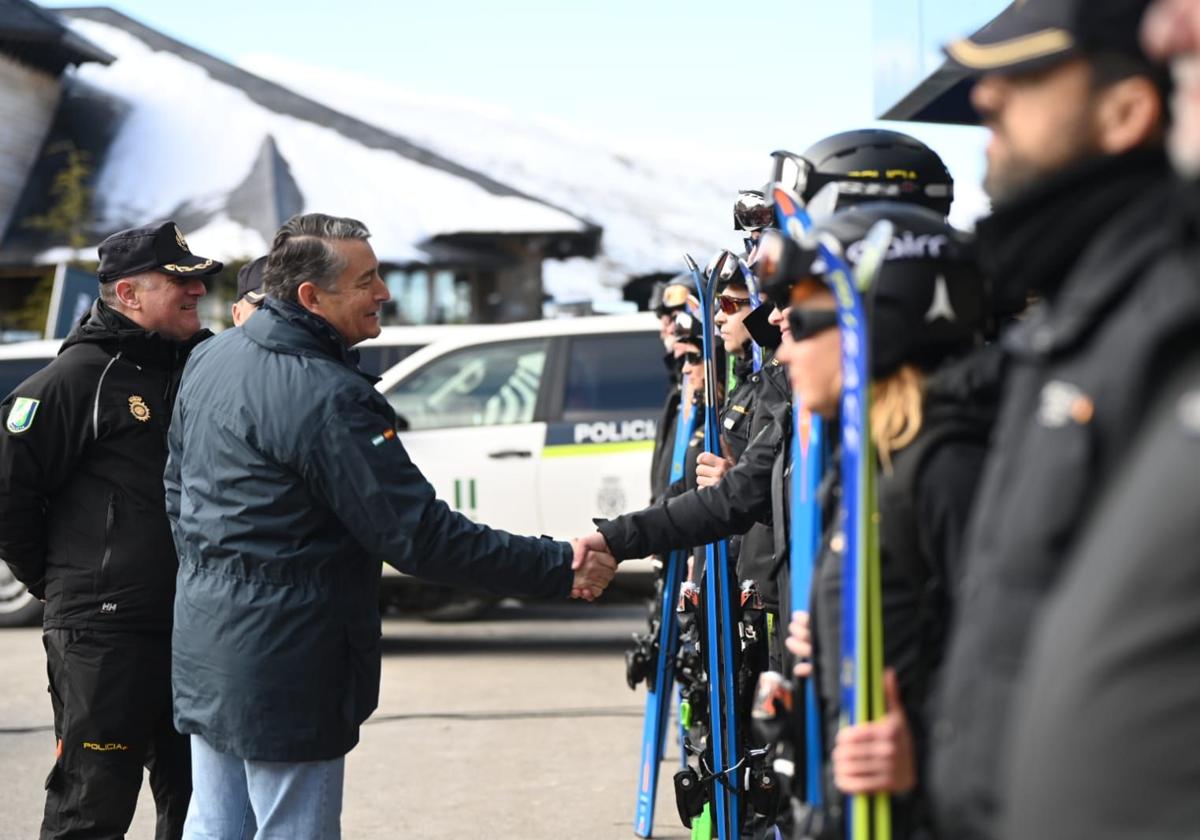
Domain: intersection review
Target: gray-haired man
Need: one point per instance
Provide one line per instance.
(287, 487)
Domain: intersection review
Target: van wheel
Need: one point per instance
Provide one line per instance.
(17, 607)
(462, 606)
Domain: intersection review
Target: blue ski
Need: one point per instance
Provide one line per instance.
(808, 465)
(867, 817)
(719, 610)
(658, 697)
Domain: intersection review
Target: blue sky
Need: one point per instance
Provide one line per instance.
(655, 71)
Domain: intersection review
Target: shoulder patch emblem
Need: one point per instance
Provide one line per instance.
(1062, 404)
(20, 416)
(139, 409)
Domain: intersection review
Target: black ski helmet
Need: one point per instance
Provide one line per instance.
(869, 164)
(687, 326)
(927, 301)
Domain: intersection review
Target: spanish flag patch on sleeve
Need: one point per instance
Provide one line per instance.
(380, 440)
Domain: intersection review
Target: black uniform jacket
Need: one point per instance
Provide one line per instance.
(707, 514)
(664, 435)
(1080, 367)
(1104, 732)
(925, 500)
(82, 517)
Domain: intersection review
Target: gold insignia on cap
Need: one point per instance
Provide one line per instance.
(180, 241)
(187, 268)
(139, 409)
(1023, 48)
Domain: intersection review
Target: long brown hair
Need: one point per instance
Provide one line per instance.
(896, 411)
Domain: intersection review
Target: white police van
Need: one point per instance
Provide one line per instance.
(534, 428)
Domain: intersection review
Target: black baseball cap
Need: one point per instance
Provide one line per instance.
(157, 247)
(1031, 35)
(250, 279)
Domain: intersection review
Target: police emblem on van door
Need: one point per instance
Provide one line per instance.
(139, 409)
(610, 501)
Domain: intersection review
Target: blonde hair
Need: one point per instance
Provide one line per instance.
(896, 414)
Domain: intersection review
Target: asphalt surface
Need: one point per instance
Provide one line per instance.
(517, 726)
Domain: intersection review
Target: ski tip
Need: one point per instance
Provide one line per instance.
(690, 263)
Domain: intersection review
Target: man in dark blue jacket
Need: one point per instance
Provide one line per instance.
(287, 488)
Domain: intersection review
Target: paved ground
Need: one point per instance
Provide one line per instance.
(520, 726)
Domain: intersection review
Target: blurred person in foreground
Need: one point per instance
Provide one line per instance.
(1081, 187)
(1106, 743)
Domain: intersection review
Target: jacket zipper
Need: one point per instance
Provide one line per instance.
(110, 517)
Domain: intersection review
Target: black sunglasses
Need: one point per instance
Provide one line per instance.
(805, 323)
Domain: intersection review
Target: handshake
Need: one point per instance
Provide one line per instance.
(594, 567)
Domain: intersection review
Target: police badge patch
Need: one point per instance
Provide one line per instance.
(20, 416)
(139, 409)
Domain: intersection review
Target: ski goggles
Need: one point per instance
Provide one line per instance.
(730, 304)
(805, 323)
(751, 211)
(791, 171)
(784, 269)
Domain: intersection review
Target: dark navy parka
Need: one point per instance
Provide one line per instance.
(287, 488)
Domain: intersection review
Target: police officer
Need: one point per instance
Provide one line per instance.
(669, 300)
(249, 289)
(83, 524)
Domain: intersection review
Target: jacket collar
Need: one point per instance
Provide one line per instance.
(1109, 266)
(1031, 243)
(105, 326)
(285, 327)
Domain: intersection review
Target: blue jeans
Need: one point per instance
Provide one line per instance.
(234, 799)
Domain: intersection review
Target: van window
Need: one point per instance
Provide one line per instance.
(15, 371)
(614, 374)
(485, 385)
(377, 358)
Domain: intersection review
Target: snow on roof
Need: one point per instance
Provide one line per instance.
(653, 206)
(188, 140)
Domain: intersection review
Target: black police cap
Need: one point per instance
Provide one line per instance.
(1032, 35)
(157, 247)
(250, 280)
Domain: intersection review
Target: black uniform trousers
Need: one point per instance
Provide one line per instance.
(111, 693)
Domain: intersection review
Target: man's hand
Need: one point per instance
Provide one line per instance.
(799, 642)
(877, 757)
(710, 469)
(594, 567)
